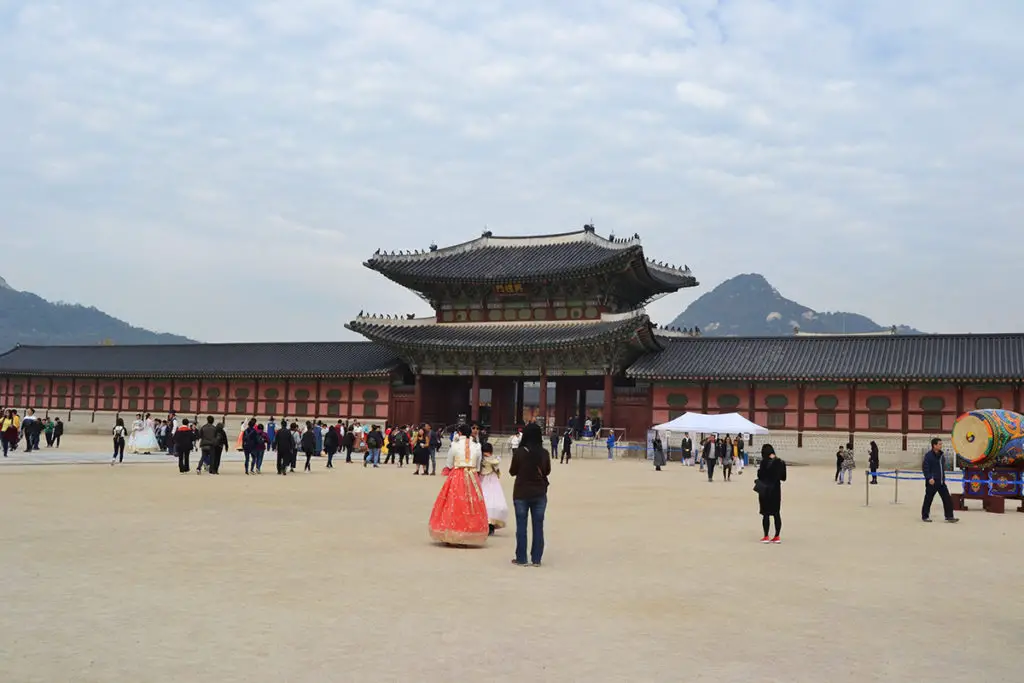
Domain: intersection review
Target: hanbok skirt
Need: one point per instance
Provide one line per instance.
(460, 512)
(494, 498)
(143, 441)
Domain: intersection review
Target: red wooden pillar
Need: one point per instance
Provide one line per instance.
(74, 396)
(120, 396)
(145, 395)
(49, 398)
(801, 391)
(256, 399)
(417, 400)
(905, 414)
(852, 411)
(520, 402)
(316, 409)
(542, 398)
(351, 391)
(607, 418)
(960, 400)
(228, 398)
(95, 398)
(287, 395)
(474, 397)
(704, 397)
(752, 403)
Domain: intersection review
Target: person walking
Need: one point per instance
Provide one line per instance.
(219, 447)
(848, 465)
(434, 445)
(332, 440)
(58, 431)
(348, 443)
(48, 431)
(308, 444)
(182, 443)
(727, 459)
(659, 453)
(566, 447)
(839, 465)
(933, 467)
(610, 442)
(711, 455)
(284, 445)
(873, 462)
(207, 442)
(248, 439)
(120, 432)
(8, 431)
(374, 442)
(531, 466)
(770, 476)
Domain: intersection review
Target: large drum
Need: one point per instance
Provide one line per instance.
(989, 438)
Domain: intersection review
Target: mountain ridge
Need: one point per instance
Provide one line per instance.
(29, 319)
(747, 305)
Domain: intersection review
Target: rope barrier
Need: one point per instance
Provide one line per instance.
(955, 479)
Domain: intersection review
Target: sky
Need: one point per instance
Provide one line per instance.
(222, 169)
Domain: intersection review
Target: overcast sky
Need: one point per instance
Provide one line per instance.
(221, 169)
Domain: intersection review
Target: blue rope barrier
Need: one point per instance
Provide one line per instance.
(955, 479)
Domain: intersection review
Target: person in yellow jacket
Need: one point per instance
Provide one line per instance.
(9, 431)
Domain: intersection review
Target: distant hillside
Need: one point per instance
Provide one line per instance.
(748, 306)
(28, 319)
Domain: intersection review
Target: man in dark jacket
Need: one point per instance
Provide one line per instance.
(183, 446)
(207, 442)
(687, 448)
(934, 470)
(374, 442)
(710, 453)
(285, 448)
(219, 447)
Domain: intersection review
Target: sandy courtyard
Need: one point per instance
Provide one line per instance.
(137, 573)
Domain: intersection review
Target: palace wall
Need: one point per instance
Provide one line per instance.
(90, 405)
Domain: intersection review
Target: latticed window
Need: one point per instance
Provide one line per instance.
(185, 393)
(988, 403)
(16, 392)
(62, 395)
(213, 400)
(133, 398)
(677, 400)
(776, 404)
(932, 406)
(159, 394)
(370, 397)
(728, 402)
(271, 396)
(85, 397)
(826, 406)
(40, 395)
(302, 402)
(878, 417)
(241, 401)
(334, 402)
(108, 397)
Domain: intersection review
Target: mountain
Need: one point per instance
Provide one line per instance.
(748, 306)
(28, 319)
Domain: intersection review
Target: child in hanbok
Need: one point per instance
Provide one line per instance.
(490, 484)
(459, 516)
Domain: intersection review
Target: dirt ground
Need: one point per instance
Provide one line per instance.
(136, 573)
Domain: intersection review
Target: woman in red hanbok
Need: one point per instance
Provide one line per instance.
(460, 512)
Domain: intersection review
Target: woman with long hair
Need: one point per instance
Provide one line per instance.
(459, 516)
(770, 476)
(531, 466)
(119, 431)
(873, 462)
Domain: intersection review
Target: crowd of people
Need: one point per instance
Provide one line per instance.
(15, 430)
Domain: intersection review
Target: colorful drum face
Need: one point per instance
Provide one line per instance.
(981, 435)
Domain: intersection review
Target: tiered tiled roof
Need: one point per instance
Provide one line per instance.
(427, 333)
(899, 358)
(310, 359)
(491, 259)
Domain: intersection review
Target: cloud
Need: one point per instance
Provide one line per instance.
(182, 165)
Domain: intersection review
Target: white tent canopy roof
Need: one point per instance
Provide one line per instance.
(724, 423)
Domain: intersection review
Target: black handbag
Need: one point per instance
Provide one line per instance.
(760, 487)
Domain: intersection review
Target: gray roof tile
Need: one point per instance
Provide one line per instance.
(339, 359)
(918, 358)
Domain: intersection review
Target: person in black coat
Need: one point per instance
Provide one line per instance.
(348, 443)
(219, 447)
(285, 448)
(331, 442)
(308, 444)
(770, 476)
(183, 441)
(710, 452)
(873, 462)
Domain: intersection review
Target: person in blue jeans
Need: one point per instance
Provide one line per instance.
(531, 466)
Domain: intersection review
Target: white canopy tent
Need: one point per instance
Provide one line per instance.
(724, 423)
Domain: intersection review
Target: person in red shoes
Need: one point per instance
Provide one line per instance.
(459, 516)
(770, 476)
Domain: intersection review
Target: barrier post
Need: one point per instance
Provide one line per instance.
(867, 489)
(896, 493)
